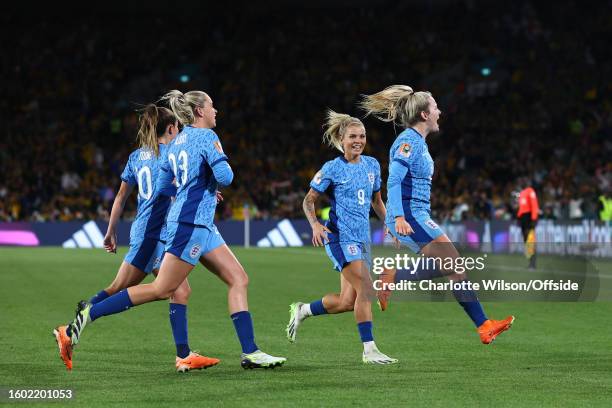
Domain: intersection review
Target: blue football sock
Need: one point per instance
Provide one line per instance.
(468, 299)
(317, 308)
(117, 303)
(244, 329)
(365, 331)
(98, 297)
(178, 322)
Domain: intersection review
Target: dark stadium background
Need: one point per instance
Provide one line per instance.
(524, 87)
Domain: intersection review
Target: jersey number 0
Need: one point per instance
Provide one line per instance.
(145, 187)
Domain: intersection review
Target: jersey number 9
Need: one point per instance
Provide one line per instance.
(182, 163)
(361, 196)
(145, 188)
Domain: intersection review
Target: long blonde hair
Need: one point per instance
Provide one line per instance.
(335, 126)
(153, 123)
(398, 104)
(183, 105)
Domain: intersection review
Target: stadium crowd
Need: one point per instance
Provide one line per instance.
(523, 93)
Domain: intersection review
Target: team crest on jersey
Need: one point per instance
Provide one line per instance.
(352, 249)
(405, 149)
(218, 146)
(431, 224)
(195, 251)
(318, 177)
(371, 177)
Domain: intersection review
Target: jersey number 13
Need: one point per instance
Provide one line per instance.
(179, 167)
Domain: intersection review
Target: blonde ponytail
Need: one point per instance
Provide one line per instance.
(398, 104)
(147, 137)
(336, 126)
(153, 123)
(183, 105)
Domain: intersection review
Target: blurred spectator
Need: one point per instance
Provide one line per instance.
(527, 95)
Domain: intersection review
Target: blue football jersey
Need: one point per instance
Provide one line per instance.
(189, 161)
(350, 187)
(411, 151)
(142, 170)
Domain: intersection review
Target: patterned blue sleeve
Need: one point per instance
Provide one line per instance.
(223, 173)
(397, 172)
(407, 152)
(322, 180)
(128, 173)
(213, 152)
(377, 177)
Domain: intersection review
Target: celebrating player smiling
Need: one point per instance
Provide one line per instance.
(352, 182)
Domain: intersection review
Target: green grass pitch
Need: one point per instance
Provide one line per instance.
(557, 354)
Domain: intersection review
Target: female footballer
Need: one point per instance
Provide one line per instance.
(158, 127)
(196, 162)
(409, 187)
(352, 182)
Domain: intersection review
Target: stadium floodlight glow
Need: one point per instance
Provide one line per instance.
(184, 78)
(485, 71)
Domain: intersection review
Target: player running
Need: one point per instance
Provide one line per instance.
(352, 182)
(158, 127)
(409, 187)
(195, 159)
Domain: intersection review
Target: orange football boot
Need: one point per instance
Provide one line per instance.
(65, 345)
(195, 361)
(490, 329)
(388, 276)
